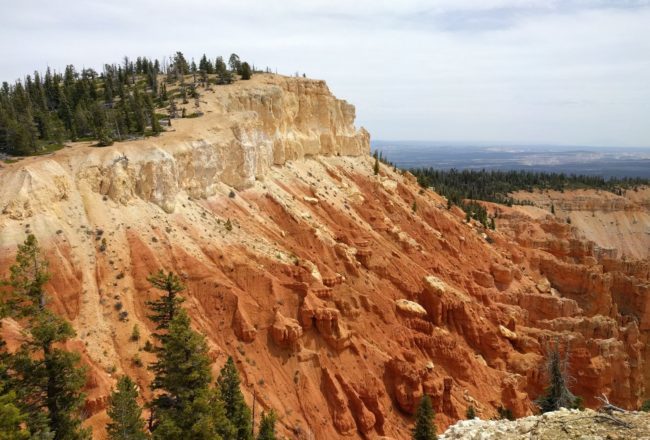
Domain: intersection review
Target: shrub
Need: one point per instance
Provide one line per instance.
(135, 333)
(505, 413)
(645, 406)
(136, 361)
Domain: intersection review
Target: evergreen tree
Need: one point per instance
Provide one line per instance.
(151, 113)
(185, 407)
(267, 427)
(471, 413)
(205, 65)
(220, 65)
(180, 64)
(557, 392)
(165, 308)
(424, 427)
(234, 63)
(12, 418)
(125, 413)
(375, 168)
(236, 409)
(246, 72)
(47, 378)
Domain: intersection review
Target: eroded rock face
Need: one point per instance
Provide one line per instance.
(340, 305)
(286, 332)
(246, 129)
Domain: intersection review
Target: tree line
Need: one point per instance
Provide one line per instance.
(496, 186)
(41, 112)
(463, 188)
(41, 382)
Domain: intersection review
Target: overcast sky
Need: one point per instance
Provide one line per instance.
(573, 72)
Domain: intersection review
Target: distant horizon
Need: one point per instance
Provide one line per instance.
(577, 159)
(522, 144)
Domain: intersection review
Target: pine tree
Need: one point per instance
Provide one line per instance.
(185, 407)
(375, 169)
(47, 377)
(180, 64)
(27, 279)
(471, 413)
(557, 392)
(165, 308)
(125, 413)
(267, 427)
(246, 72)
(12, 418)
(236, 409)
(424, 427)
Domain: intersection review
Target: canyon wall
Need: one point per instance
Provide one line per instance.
(619, 224)
(341, 300)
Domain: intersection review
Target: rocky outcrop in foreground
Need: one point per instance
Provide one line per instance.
(563, 424)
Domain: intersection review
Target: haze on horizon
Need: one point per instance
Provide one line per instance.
(572, 72)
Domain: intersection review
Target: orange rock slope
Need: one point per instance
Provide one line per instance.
(340, 303)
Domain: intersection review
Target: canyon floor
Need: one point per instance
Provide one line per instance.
(342, 295)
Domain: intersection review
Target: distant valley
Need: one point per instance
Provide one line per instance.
(599, 161)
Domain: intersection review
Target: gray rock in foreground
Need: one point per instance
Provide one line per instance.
(563, 424)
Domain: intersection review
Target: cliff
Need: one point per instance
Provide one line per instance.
(340, 303)
(618, 224)
(246, 129)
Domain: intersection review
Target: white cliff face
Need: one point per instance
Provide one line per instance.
(246, 129)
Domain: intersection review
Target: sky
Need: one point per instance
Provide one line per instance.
(561, 72)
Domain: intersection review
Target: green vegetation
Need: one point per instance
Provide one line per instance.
(184, 405)
(164, 308)
(236, 410)
(495, 186)
(505, 413)
(424, 428)
(464, 188)
(645, 406)
(125, 413)
(40, 383)
(375, 168)
(267, 427)
(42, 112)
(557, 392)
(471, 413)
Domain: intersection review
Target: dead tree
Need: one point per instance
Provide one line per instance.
(557, 393)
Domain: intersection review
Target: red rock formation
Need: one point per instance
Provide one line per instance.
(303, 289)
(286, 332)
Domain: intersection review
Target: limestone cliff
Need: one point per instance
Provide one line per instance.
(340, 303)
(246, 129)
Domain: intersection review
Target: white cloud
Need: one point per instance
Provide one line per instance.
(571, 72)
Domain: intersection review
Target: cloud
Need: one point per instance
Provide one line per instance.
(571, 71)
